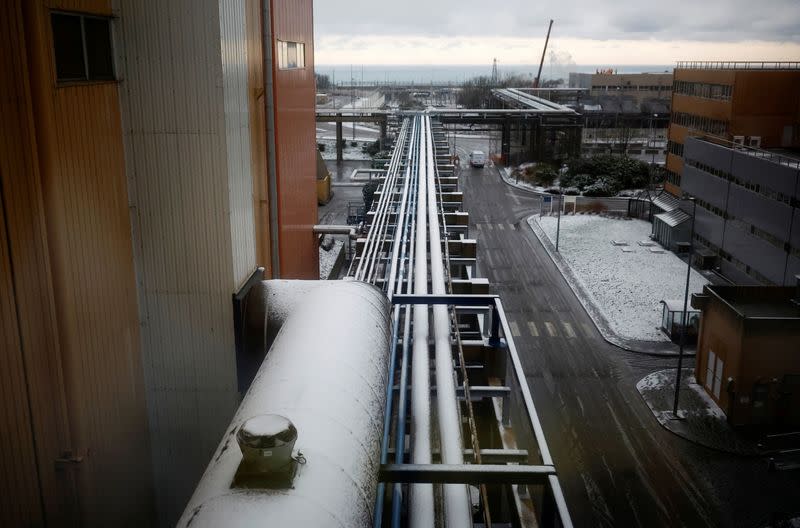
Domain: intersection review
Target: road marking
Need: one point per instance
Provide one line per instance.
(514, 328)
(478, 227)
(501, 227)
(551, 329)
(532, 327)
(568, 329)
(587, 329)
(489, 227)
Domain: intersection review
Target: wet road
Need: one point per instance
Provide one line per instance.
(618, 467)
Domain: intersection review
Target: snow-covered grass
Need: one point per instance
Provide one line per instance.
(348, 153)
(625, 286)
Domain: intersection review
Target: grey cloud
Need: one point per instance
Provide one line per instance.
(707, 20)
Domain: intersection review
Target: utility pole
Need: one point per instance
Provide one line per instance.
(685, 317)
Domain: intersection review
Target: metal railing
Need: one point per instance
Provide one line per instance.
(775, 157)
(738, 65)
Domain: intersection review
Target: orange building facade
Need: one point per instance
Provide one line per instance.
(139, 191)
(747, 353)
(760, 104)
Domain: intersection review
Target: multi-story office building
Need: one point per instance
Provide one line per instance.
(154, 156)
(755, 104)
(732, 144)
(639, 86)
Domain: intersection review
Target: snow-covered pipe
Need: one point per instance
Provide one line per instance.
(457, 508)
(330, 382)
(421, 506)
(331, 229)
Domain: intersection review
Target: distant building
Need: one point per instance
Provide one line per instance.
(640, 86)
(154, 156)
(748, 353)
(733, 140)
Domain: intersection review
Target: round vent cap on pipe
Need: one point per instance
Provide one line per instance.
(267, 442)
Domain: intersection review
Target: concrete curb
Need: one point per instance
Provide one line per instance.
(650, 348)
(688, 376)
(508, 181)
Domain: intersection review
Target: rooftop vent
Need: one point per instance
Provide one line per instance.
(267, 444)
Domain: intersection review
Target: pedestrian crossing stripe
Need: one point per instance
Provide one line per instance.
(532, 327)
(551, 329)
(568, 329)
(514, 329)
(500, 227)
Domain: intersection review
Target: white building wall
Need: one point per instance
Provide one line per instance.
(184, 106)
(237, 130)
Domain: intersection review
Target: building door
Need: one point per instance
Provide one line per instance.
(714, 368)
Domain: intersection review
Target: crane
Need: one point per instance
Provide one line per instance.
(541, 63)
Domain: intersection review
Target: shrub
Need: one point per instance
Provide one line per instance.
(321, 147)
(545, 175)
(354, 143)
(368, 192)
(600, 188)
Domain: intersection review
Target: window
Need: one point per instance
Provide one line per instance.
(714, 373)
(83, 48)
(291, 55)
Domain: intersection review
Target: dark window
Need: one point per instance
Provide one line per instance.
(83, 48)
(98, 48)
(68, 42)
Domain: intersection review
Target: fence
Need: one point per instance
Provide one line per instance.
(584, 204)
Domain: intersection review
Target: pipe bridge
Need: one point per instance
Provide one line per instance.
(462, 443)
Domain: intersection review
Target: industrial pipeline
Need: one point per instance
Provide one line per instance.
(396, 396)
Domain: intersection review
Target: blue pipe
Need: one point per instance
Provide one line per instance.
(387, 422)
(400, 437)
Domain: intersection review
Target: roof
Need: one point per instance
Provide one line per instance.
(520, 99)
(673, 218)
(666, 202)
(758, 302)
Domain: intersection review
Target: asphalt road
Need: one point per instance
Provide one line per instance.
(617, 466)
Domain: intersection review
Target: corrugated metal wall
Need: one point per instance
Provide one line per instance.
(85, 199)
(295, 138)
(191, 196)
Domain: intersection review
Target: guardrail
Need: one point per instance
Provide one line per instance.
(739, 65)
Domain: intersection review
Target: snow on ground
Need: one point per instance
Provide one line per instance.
(327, 259)
(625, 286)
(348, 153)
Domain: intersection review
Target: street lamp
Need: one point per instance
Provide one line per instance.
(684, 317)
(558, 222)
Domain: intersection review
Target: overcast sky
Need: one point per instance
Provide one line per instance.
(585, 31)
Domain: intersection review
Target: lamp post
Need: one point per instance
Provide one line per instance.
(558, 222)
(684, 317)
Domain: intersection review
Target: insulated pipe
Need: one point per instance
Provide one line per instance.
(330, 229)
(330, 383)
(457, 507)
(421, 506)
(402, 404)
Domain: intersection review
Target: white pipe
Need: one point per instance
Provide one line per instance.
(421, 506)
(458, 511)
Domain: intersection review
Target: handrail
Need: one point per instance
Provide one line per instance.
(739, 65)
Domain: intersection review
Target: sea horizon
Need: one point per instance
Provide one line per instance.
(458, 73)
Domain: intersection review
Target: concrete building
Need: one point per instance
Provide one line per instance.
(640, 86)
(747, 353)
(735, 149)
(154, 156)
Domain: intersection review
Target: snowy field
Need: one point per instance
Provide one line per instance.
(348, 153)
(626, 286)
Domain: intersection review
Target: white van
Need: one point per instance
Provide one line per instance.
(477, 159)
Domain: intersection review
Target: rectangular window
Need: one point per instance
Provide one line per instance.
(718, 377)
(291, 55)
(712, 360)
(83, 48)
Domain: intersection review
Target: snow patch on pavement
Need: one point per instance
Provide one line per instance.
(626, 287)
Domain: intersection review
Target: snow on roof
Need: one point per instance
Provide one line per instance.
(667, 202)
(673, 218)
